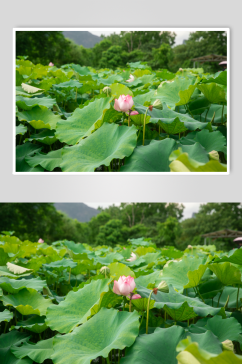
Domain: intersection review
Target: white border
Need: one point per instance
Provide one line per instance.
(124, 173)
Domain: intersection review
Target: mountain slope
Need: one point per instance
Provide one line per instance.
(84, 38)
(79, 211)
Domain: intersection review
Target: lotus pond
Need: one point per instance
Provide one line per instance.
(67, 119)
(71, 303)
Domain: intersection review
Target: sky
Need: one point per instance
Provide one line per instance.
(190, 207)
(180, 35)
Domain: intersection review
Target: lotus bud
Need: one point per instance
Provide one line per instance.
(123, 103)
(134, 113)
(180, 69)
(124, 286)
(163, 287)
(51, 64)
(213, 155)
(228, 345)
(107, 90)
(41, 241)
(158, 104)
(105, 270)
(189, 247)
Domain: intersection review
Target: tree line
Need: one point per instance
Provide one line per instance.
(116, 50)
(163, 223)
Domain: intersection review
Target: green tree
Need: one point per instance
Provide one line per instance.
(111, 233)
(212, 217)
(43, 46)
(168, 231)
(200, 43)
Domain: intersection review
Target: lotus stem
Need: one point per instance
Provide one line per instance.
(148, 309)
(237, 304)
(219, 297)
(130, 304)
(118, 356)
(223, 114)
(144, 126)
(108, 361)
(129, 119)
(6, 325)
(70, 276)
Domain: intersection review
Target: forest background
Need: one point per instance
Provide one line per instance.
(163, 223)
(156, 48)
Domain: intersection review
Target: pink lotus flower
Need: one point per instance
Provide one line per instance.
(124, 103)
(40, 241)
(51, 64)
(124, 286)
(134, 296)
(132, 258)
(131, 78)
(134, 113)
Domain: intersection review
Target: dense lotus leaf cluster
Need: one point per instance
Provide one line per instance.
(67, 121)
(57, 302)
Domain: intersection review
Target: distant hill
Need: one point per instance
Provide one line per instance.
(79, 211)
(84, 38)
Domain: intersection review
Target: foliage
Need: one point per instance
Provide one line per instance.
(66, 307)
(66, 120)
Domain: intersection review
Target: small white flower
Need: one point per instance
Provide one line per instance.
(131, 78)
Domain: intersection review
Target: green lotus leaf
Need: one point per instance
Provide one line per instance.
(110, 258)
(6, 315)
(171, 253)
(226, 273)
(46, 136)
(77, 307)
(61, 264)
(210, 288)
(220, 114)
(211, 141)
(199, 105)
(176, 92)
(94, 151)
(185, 164)
(28, 302)
(14, 286)
(150, 158)
(76, 251)
(4, 272)
(4, 257)
(22, 151)
(219, 78)
(27, 103)
(21, 129)
(111, 115)
(140, 242)
(37, 352)
(142, 98)
(82, 122)
(185, 273)
(214, 93)
(224, 329)
(108, 329)
(152, 278)
(233, 256)
(119, 89)
(48, 161)
(206, 341)
(173, 301)
(194, 355)
(7, 341)
(142, 303)
(139, 119)
(109, 80)
(156, 348)
(33, 323)
(39, 117)
(68, 85)
(195, 151)
(119, 269)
